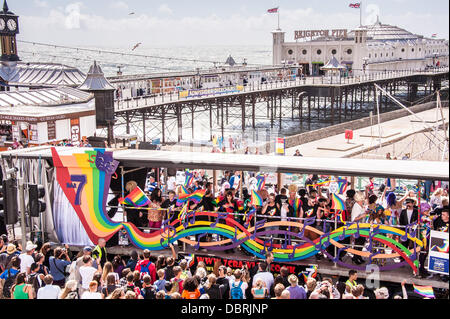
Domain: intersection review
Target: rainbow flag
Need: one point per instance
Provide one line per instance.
(296, 204)
(337, 203)
(136, 198)
(261, 184)
(183, 213)
(183, 191)
(191, 260)
(256, 199)
(196, 197)
(343, 184)
(189, 179)
(424, 291)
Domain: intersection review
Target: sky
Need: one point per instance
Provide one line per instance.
(167, 23)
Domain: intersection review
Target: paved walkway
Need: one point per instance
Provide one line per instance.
(367, 138)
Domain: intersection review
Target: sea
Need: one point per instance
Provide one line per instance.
(184, 58)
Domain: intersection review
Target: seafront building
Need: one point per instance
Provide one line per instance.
(370, 48)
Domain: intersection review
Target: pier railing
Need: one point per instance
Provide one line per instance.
(167, 98)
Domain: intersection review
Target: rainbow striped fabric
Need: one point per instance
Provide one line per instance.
(424, 291)
(296, 204)
(183, 213)
(343, 184)
(337, 203)
(136, 198)
(256, 199)
(195, 197)
(261, 184)
(189, 179)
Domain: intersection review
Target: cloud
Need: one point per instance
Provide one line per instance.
(73, 18)
(74, 25)
(120, 5)
(40, 3)
(373, 11)
(165, 9)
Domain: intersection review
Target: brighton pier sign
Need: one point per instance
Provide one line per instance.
(338, 33)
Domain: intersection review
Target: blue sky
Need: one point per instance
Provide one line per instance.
(203, 22)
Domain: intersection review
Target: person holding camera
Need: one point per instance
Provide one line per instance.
(58, 263)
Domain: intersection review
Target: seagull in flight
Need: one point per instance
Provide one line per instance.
(136, 46)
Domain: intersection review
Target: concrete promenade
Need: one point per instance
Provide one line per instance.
(368, 138)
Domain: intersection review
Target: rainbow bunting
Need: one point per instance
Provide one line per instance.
(136, 198)
(424, 291)
(337, 203)
(256, 199)
(195, 197)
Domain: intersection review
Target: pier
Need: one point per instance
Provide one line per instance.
(323, 99)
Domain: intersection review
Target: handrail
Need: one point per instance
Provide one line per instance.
(170, 97)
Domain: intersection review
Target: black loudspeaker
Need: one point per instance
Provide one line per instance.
(10, 202)
(35, 204)
(104, 107)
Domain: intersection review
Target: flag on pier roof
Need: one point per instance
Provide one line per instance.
(355, 5)
(273, 10)
(434, 35)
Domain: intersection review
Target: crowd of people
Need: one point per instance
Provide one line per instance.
(56, 273)
(46, 273)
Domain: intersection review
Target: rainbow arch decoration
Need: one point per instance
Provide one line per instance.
(85, 179)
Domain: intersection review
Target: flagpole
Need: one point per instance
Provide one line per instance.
(360, 13)
(278, 11)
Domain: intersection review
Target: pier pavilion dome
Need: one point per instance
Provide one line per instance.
(385, 32)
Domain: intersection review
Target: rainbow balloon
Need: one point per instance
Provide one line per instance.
(136, 198)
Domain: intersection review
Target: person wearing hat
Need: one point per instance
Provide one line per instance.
(409, 215)
(296, 291)
(7, 256)
(27, 258)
